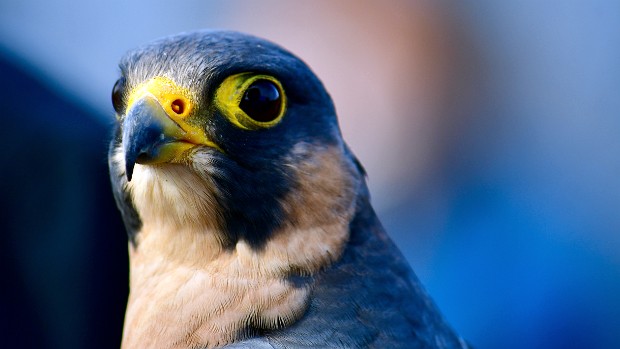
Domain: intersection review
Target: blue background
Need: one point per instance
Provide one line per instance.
(493, 154)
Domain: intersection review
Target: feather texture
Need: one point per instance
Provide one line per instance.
(258, 238)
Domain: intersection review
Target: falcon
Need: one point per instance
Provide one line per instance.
(249, 219)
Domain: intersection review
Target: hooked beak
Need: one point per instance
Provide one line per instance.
(155, 127)
(150, 136)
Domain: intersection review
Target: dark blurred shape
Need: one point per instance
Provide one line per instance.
(62, 245)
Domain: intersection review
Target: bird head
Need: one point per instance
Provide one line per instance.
(228, 132)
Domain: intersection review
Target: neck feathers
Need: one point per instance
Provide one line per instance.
(190, 287)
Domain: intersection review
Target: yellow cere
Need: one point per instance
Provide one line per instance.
(178, 103)
(228, 97)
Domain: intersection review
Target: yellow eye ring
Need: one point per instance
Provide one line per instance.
(251, 101)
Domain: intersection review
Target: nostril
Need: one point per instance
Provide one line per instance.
(178, 106)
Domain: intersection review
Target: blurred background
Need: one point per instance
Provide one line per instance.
(490, 132)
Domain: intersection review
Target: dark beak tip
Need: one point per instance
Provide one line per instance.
(130, 161)
(129, 170)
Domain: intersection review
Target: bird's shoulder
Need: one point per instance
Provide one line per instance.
(370, 298)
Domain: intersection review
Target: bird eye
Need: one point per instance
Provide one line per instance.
(251, 101)
(262, 101)
(118, 92)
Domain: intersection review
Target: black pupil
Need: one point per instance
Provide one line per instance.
(262, 101)
(117, 95)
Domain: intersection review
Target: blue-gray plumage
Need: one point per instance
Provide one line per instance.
(369, 299)
(249, 218)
